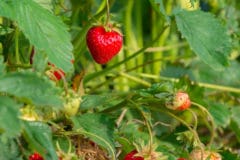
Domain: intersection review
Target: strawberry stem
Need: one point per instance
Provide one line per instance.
(108, 13)
(213, 128)
(17, 46)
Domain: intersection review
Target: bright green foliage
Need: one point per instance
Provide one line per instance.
(7, 9)
(9, 117)
(39, 136)
(44, 30)
(206, 36)
(98, 127)
(122, 104)
(31, 88)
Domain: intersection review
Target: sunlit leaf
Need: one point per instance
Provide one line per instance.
(206, 36)
(30, 87)
(46, 32)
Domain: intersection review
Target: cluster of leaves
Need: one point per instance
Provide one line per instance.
(117, 111)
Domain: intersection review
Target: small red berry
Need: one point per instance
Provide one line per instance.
(131, 156)
(181, 159)
(58, 74)
(180, 101)
(103, 45)
(35, 156)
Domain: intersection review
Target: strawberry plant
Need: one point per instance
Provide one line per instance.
(119, 80)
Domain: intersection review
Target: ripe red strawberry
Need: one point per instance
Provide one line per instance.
(181, 159)
(35, 156)
(103, 45)
(180, 101)
(58, 74)
(131, 156)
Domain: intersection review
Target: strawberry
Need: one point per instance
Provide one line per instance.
(180, 101)
(58, 74)
(35, 156)
(102, 44)
(198, 154)
(131, 156)
(181, 159)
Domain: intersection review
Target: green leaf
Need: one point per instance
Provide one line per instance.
(157, 89)
(2, 66)
(39, 136)
(235, 115)
(158, 6)
(46, 32)
(98, 127)
(39, 62)
(9, 121)
(7, 9)
(9, 150)
(206, 36)
(31, 88)
(94, 101)
(221, 114)
(227, 154)
(47, 4)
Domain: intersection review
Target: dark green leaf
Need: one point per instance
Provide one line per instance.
(206, 36)
(158, 6)
(221, 114)
(9, 150)
(39, 136)
(31, 87)
(98, 127)
(9, 121)
(227, 154)
(46, 32)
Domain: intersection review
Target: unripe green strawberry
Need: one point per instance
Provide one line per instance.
(102, 44)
